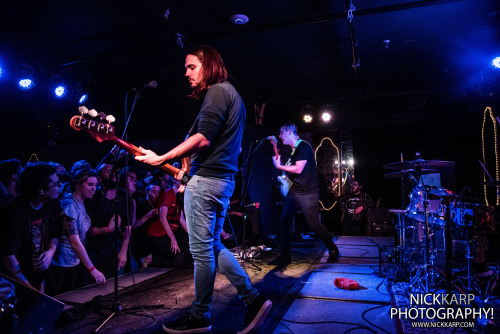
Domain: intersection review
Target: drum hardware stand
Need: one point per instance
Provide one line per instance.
(423, 272)
(380, 251)
(402, 247)
(448, 246)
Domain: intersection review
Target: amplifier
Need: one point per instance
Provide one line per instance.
(380, 222)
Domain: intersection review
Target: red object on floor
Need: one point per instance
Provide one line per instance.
(346, 284)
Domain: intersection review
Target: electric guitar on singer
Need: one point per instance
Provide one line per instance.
(94, 123)
(285, 182)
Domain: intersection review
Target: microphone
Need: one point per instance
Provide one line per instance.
(151, 84)
(266, 138)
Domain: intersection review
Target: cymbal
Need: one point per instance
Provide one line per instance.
(492, 183)
(401, 173)
(439, 192)
(413, 164)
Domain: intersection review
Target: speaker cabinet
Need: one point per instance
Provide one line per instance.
(34, 311)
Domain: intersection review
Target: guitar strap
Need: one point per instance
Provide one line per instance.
(195, 124)
(288, 163)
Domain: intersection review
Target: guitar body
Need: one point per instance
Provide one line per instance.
(102, 132)
(285, 182)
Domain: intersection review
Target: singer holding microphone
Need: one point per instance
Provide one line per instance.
(303, 194)
(213, 144)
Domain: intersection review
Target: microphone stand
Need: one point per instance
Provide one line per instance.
(244, 245)
(244, 191)
(117, 308)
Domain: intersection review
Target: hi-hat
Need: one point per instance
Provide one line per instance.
(401, 173)
(418, 163)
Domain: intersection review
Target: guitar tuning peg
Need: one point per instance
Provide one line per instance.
(110, 119)
(102, 116)
(83, 110)
(93, 113)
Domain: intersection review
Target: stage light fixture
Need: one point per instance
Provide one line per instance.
(496, 62)
(307, 114)
(25, 78)
(83, 97)
(350, 162)
(59, 88)
(327, 113)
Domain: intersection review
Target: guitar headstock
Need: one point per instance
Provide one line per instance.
(95, 124)
(274, 141)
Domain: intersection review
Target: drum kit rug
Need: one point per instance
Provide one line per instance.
(437, 232)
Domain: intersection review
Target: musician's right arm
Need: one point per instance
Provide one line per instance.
(193, 144)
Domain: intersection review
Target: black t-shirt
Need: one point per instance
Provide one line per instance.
(100, 210)
(221, 120)
(307, 181)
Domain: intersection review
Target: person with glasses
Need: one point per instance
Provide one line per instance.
(75, 223)
(32, 226)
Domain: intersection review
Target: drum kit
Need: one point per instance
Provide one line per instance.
(437, 231)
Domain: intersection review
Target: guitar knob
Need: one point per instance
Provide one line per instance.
(93, 113)
(110, 119)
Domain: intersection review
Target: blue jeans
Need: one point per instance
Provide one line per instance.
(205, 205)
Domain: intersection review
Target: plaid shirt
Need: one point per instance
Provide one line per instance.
(364, 200)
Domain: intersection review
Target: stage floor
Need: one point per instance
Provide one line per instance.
(304, 297)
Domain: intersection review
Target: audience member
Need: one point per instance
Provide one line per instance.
(9, 177)
(32, 226)
(354, 207)
(147, 212)
(76, 222)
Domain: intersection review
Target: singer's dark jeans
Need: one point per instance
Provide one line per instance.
(309, 204)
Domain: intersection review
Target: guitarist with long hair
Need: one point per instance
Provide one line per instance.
(303, 194)
(214, 141)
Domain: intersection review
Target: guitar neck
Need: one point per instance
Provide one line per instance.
(98, 132)
(134, 150)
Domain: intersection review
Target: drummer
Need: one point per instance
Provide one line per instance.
(354, 207)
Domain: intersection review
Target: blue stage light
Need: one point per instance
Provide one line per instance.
(60, 91)
(25, 83)
(496, 62)
(83, 98)
(25, 77)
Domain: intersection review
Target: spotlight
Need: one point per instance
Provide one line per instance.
(25, 77)
(84, 97)
(307, 114)
(59, 87)
(496, 62)
(327, 113)
(350, 162)
(60, 91)
(81, 93)
(239, 19)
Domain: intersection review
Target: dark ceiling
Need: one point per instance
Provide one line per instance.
(416, 58)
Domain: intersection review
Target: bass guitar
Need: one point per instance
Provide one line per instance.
(98, 125)
(285, 182)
